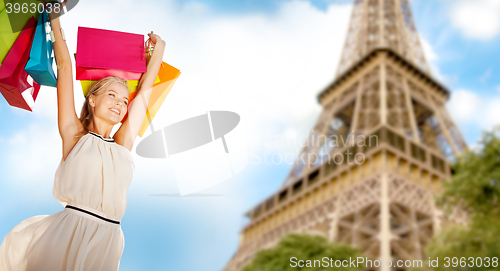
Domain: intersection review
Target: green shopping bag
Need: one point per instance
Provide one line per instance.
(7, 38)
(3, 3)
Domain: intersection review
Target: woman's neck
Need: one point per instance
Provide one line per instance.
(102, 131)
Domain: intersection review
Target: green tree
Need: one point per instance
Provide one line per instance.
(476, 182)
(303, 247)
(475, 186)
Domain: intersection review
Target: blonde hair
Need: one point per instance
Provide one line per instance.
(87, 116)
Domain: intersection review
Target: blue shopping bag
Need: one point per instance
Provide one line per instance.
(40, 64)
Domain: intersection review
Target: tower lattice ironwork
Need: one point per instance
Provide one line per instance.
(377, 153)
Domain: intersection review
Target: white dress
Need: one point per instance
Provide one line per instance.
(95, 177)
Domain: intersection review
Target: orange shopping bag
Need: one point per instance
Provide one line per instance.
(167, 75)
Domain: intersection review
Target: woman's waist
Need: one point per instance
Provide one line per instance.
(94, 213)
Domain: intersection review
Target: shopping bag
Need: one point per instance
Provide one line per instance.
(87, 84)
(96, 74)
(7, 37)
(102, 53)
(3, 3)
(131, 84)
(17, 87)
(39, 65)
(168, 75)
(85, 73)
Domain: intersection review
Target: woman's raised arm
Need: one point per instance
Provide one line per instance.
(131, 126)
(69, 124)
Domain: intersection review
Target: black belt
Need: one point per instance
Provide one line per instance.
(90, 213)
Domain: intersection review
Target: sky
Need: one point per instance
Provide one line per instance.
(265, 60)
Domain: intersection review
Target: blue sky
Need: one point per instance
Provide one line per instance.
(266, 60)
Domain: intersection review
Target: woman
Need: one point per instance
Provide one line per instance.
(92, 178)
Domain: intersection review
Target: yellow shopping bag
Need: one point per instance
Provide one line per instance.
(131, 84)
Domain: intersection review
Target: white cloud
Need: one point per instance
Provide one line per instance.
(477, 19)
(430, 54)
(32, 156)
(463, 105)
(491, 111)
(432, 60)
(468, 108)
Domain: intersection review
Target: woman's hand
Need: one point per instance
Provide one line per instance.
(53, 14)
(155, 39)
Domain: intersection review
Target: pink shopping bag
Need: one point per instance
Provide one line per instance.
(17, 87)
(99, 49)
(98, 74)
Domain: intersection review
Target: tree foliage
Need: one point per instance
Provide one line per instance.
(476, 182)
(475, 187)
(303, 247)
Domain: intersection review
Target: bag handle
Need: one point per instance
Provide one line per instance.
(149, 50)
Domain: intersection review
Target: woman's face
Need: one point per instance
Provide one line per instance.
(112, 104)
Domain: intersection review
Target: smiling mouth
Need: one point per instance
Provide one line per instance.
(115, 111)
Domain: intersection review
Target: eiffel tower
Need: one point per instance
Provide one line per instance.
(375, 194)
